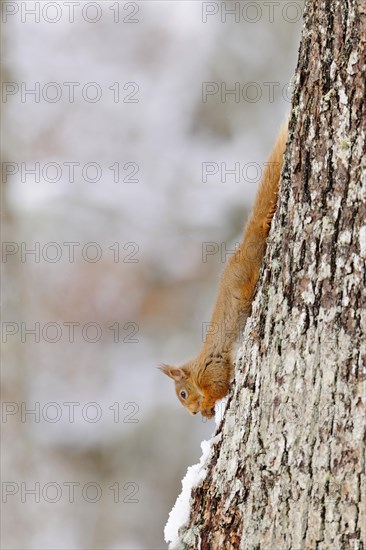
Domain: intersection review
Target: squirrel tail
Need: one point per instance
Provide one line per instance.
(266, 199)
(241, 274)
(246, 263)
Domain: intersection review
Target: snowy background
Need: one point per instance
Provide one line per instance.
(108, 132)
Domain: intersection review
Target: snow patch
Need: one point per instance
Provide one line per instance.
(342, 97)
(179, 515)
(220, 407)
(363, 241)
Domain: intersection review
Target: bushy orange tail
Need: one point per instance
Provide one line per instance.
(266, 199)
(241, 274)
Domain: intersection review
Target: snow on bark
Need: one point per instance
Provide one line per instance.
(288, 472)
(179, 515)
(180, 512)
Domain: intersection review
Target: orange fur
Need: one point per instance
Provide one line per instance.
(206, 378)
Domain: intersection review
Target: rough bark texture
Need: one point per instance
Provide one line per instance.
(289, 470)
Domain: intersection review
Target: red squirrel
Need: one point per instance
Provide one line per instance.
(199, 383)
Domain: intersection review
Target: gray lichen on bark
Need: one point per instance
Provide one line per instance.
(289, 470)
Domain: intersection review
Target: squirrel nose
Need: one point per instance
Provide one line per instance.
(195, 412)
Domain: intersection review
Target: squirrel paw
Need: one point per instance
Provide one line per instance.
(208, 409)
(270, 215)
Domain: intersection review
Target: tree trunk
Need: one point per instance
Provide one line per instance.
(286, 468)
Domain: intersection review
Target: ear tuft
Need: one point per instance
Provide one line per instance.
(175, 373)
(164, 368)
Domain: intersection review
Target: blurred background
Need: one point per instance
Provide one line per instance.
(134, 134)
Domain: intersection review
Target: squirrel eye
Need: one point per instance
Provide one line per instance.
(183, 394)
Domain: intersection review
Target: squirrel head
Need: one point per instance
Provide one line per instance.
(187, 392)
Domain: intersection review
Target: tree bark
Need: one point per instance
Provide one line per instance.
(287, 470)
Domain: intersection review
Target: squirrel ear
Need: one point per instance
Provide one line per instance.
(175, 373)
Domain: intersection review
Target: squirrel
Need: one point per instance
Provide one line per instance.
(199, 383)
